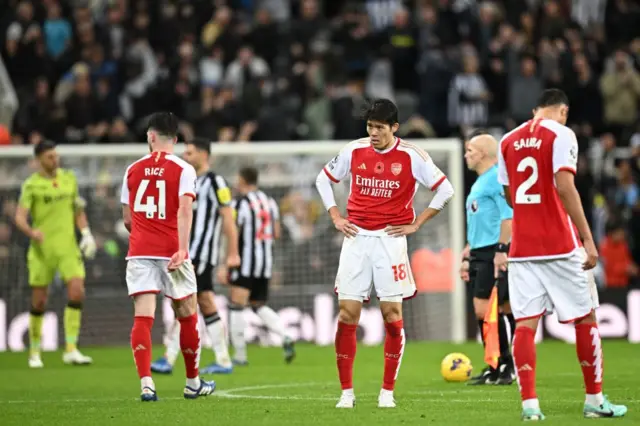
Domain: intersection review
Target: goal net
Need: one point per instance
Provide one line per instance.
(306, 256)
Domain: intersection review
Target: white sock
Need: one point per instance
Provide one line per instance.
(237, 326)
(173, 345)
(532, 404)
(194, 383)
(219, 342)
(147, 382)
(272, 320)
(386, 391)
(596, 400)
(348, 392)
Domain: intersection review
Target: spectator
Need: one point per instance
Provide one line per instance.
(525, 88)
(468, 96)
(57, 32)
(619, 267)
(620, 86)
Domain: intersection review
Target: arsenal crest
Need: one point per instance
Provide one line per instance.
(396, 168)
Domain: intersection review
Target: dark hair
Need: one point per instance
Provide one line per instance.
(477, 132)
(201, 144)
(382, 110)
(165, 123)
(552, 97)
(249, 175)
(43, 147)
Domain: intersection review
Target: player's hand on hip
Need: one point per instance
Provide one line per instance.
(592, 255)
(37, 236)
(88, 244)
(346, 227)
(464, 271)
(401, 230)
(177, 260)
(233, 261)
(500, 262)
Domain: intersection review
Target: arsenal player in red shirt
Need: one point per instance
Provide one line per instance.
(157, 195)
(385, 172)
(548, 265)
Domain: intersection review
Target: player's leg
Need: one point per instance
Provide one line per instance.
(73, 273)
(216, 330)
(506, 328)
(240, 292)
(143, 284)
(258, 302)
(180, 286)
(573, 296)
(393, 281)
(164, 365)
(481, 278)
(40, 275)
(529, 302)
(353, 285)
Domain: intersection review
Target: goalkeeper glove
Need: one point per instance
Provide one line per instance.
(88, 244)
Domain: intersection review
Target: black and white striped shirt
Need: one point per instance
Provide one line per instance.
(212, 192)
(256, 216)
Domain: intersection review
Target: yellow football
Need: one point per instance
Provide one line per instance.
(456, 367)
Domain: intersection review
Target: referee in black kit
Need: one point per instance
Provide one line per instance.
(212, 217)
(488, 234)
(258, 221)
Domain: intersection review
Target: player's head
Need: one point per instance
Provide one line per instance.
(553, 104)
(247, 179)
(47, 156)
(162, 130)
(381, 116)
(197, 153)
(480, 150)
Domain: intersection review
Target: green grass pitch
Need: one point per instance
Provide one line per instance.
(268, 392)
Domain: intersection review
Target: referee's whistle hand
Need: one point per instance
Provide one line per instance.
(233, 261)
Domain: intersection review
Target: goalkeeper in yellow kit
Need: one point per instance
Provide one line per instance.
(50, 196)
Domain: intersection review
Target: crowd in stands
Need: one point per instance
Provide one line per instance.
(90, 71)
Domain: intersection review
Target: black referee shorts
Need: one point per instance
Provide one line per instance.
(204, 276)
(258, 287)
(481, 275)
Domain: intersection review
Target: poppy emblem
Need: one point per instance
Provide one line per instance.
(379, 168)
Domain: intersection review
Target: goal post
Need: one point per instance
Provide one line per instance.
(306, 256)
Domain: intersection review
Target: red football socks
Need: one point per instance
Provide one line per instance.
(524, 357)
(393, 348)
(346, 353)
(141, 344)
(190, 344)
(589, 349)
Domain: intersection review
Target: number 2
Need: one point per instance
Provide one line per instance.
(522, 197)
(265, 220)
(150, 207)
(399, 272)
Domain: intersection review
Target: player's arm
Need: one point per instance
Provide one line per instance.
(565, 161)
(336, 170)
(124, 200)
(500, 259)
(275, 214)
(229, 228)
(187, 193)
(503, 177)
(87, 243)
(22, 214)
(428, 174)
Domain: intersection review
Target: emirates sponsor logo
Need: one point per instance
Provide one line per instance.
(378, 188)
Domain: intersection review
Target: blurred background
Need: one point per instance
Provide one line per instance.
(253, 71)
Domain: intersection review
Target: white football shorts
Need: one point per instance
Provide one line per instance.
(541, 287)
(368, 261)
(152, 276)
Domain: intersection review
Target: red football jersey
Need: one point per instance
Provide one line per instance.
(383, 183)
(152, 188)
(528, 158)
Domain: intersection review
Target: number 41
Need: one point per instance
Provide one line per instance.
(150, 207)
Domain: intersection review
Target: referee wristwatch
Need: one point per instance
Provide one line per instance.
(502, 248)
